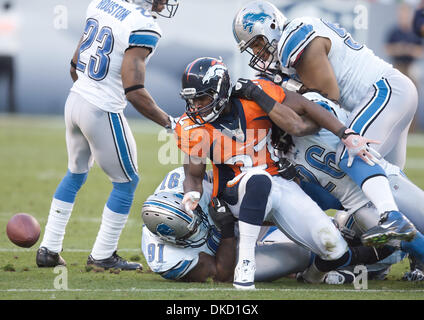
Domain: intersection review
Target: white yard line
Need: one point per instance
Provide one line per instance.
(65, 250)
(211, 289)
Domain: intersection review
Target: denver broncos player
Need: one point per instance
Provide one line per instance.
(235, 134)
(108, 69)
(324, 57)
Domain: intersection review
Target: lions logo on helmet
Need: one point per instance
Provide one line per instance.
(251, 18)
(164, 216)
(259, 19)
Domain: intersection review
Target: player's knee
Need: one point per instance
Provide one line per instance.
(255, 200)
(69, 186)
(331, 241)
(122, 196)
(360, 171)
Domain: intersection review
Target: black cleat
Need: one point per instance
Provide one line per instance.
(114, 262)
(48, 259)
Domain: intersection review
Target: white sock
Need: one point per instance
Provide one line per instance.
(247, 241)
(378, 190)
(59, 215)
(109, 233)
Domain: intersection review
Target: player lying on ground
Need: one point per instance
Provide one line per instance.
(180, 245)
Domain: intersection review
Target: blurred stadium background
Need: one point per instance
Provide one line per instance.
(41, 36)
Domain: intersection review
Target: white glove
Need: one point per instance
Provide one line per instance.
(170, 128)
(191, 200)
(357, 145)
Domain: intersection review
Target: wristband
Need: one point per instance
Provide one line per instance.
(263, 100)
(341, 132)
(73, 64)
(136, 87)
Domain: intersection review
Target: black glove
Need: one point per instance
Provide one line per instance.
(244, 88)
(287, 169)
(247, 89)
(222, 217)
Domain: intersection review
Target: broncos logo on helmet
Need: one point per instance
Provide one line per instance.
(251, 18)
(216, 70)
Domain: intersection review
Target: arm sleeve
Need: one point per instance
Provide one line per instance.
(144, 38)
(293, 42)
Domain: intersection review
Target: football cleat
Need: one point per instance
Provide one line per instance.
(114, 262)
(393, 225)
(48, 259)
(413, 276)
(339, 277)
(244, 275)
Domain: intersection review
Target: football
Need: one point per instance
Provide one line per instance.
(23, 230)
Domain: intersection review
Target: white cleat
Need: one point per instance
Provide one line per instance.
(339, 277)
(244, 275)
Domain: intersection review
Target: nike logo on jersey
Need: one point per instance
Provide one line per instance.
(237, 133)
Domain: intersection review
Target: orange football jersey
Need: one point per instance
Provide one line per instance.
(237, 140)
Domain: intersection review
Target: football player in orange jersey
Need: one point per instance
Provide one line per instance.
(235, 134)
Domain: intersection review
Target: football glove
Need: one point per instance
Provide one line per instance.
(358, 145)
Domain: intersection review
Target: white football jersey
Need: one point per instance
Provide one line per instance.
(111, 28)
(355, 66)
(315, 159)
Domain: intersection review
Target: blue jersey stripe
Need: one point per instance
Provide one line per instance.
(176, 273)
(371, 111)
(294, 42)
(176, 211)
(122, 146)
(148, 40)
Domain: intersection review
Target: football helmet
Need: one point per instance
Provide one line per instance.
(171, 6)
(164, 215)
(259, 19)
(206, 77)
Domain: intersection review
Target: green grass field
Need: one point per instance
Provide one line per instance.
(33, 160)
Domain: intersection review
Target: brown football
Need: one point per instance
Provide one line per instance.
(23, 230)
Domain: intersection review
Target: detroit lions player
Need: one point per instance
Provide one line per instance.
(181, 246)
(314, 156)
(326, 58)
(108, 69)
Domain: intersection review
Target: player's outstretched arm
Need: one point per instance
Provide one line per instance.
(194, 171)
(281, 115)
(133, 73)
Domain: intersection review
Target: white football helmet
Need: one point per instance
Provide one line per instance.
(164, 215)
(259, 19)
(152, 5)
